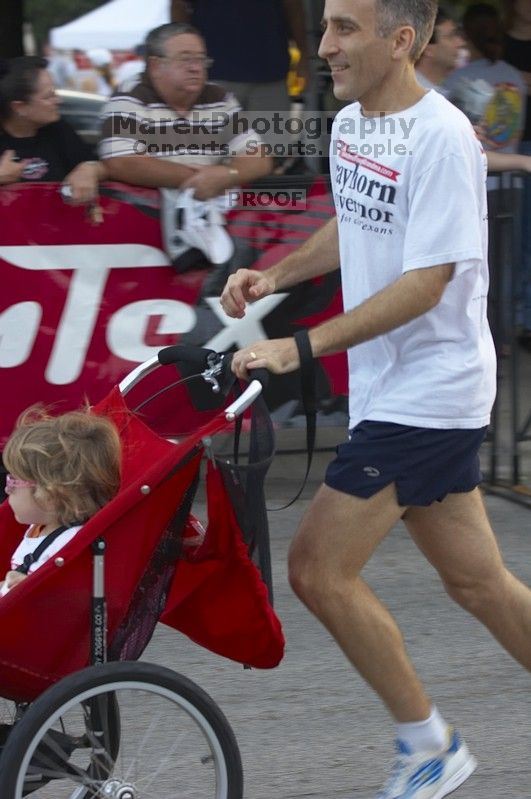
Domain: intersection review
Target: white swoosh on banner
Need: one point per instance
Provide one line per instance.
(77, 256)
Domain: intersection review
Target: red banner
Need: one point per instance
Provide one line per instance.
(84, 301)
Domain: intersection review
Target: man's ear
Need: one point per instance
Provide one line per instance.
(403, 41)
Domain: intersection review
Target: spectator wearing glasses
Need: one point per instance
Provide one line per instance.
(441, 55)
(173, 129)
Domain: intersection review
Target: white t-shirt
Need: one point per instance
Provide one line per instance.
(29, 544)
(409, 191)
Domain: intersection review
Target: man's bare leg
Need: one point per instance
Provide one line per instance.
(456, 537)
(337, 536)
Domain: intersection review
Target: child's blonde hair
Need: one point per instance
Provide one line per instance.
(73, 458)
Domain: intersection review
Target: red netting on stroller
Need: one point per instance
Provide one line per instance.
(213, 591)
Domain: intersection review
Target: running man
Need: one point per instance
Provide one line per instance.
(408, 177)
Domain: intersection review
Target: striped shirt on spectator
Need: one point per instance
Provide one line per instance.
(139, 122)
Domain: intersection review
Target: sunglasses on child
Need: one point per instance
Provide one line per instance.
(14, 482)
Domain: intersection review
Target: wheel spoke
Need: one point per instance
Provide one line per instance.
(123, 729)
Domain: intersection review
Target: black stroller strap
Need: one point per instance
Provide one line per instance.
(33, 557)
(309, 398)
(309, 403)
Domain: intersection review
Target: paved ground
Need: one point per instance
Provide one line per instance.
(310, 728)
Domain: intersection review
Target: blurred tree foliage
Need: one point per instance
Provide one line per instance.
(46, 14)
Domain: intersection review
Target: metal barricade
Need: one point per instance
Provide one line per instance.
(509, 452)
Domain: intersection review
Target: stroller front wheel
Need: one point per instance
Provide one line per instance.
(128, 730)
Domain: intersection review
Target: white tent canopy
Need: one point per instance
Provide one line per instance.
(117, 25)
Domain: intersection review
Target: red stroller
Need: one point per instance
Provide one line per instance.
(122, 729)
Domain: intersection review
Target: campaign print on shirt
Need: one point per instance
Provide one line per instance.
(365, 190)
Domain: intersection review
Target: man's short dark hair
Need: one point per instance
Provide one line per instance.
(442, 16)
(157, 38)
(419, 14)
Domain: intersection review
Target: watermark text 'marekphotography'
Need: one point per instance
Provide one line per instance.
(312, 125)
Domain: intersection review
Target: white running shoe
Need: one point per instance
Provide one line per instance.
(429, 775)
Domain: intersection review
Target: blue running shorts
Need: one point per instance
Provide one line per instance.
(424, 464)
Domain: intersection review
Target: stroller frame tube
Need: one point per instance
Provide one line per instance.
(98, 638)
(252, 391)
(141, 371)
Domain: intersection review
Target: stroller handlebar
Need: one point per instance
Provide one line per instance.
(214, 367)
(253, 390)
(138, 374)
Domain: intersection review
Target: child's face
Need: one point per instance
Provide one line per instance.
(28, 504)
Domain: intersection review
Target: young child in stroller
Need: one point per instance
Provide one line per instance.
(61, 470)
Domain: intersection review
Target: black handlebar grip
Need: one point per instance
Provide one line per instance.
(185, 353)
(262, 375)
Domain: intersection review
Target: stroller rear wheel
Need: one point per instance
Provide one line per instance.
(127, 730)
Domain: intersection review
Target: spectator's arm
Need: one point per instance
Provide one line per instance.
(144, 170)
(508, 162)
(250, 167)
(124, 160)
(83, 181)
(211, 181)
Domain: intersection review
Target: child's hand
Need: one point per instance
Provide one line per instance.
(13, 578)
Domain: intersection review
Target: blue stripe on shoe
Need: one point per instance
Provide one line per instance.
(402, 747)
(427, 774)
(455, 744)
